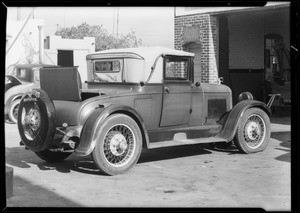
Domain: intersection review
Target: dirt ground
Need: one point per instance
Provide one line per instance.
(183, 176)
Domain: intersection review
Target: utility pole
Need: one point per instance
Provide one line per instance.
(18, 13)
(114, 22)
(117, 22)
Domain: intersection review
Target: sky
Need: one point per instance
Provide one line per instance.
(154, 25)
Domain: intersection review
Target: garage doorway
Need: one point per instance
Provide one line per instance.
(196, 49)
(65, 58)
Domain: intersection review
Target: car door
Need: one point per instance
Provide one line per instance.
(176, 104)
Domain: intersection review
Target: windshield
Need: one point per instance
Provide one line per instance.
(108, 70)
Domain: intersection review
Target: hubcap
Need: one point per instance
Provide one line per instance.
(254, 131)
(119, 145)
(31, 121)
(15, 111)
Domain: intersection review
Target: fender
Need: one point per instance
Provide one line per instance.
(232, 118)
(10, 101)
(93, 126)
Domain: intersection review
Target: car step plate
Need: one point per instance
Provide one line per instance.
(181, 142)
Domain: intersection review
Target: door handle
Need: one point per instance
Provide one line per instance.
(167, 89)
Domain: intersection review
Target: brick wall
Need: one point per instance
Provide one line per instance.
(208, 26)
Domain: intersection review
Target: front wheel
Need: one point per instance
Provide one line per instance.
(253, 132)
(118, 146)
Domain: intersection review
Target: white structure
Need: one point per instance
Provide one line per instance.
(23, 43)
(79, 47)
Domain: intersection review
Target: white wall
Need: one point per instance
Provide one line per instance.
(80, 47)
(27, 44)
(50, 57)
(79, 60)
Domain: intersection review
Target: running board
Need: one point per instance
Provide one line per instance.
(154, 145)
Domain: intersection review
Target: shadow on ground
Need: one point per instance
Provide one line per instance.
(31, 195)
(282, 136)
(19, 157)
(286, 147)
(166, 153)
(229, 148)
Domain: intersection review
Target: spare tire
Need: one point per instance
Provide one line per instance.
(36, 120)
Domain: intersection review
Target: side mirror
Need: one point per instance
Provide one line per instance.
(197, 84)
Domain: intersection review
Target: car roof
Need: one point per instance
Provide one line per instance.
(146, 53)
(34, 65)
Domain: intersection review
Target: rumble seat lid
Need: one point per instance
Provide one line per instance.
(61, 83)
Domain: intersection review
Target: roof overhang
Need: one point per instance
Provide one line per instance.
(183, 11)
(100, 55)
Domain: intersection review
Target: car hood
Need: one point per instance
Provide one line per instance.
(14, 79)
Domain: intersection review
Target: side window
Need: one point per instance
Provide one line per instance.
(108, 70)
(176, 68)
(107, 66)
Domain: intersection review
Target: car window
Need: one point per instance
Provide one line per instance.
(22, 74)
(108, 70)
(107, 66)
(176, 69)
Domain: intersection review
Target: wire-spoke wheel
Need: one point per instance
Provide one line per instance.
(31, 121)
(253, 133)
(36, 120)
(118, 146)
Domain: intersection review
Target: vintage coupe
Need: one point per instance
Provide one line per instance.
(135, 98)
(22, 77)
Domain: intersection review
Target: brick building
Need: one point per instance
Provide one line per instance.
(236, 43)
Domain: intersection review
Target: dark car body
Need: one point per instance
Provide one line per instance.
(21, 78)
(153, 88)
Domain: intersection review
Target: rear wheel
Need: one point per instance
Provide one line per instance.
(119, 145)
(253, 132)
(13, 111)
